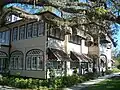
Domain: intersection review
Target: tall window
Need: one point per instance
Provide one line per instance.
(29, 30)
(3, 61)
(16, 60)
(15, 34)
(34, 59)
(40, 28)
(35, 29)
(22, 32)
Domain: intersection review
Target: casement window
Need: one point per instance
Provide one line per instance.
(35, 29)
(22, 32)
(56, 33)
(28, 62)
(12, 63)
(34, 60)
(57, 64)
(15, 34)
(29, 29)
(41, 28)
(75, 39)
(16, 60)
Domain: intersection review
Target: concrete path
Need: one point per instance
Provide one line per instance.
(91, 82)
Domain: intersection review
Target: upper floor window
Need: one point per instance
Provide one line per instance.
(15, 34)
(75, 39)
(29, 30)
(35, 29)
(22, 32)
(40, 28)
(56, 33)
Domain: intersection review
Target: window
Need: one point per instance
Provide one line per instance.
(29, 30)
(75, 39)
(34, 62)
(15, 34)
(56, 33)
(22, 32)
(35, 29)
(40, 28)
(28, 63)
(16, 60)
(57, 64)
(34, 59)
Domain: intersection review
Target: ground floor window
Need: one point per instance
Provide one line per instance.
(74, 65)
(57, 64)
(3, 61)
(34, 59)
(16, 60)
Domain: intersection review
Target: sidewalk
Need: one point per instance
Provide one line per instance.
(91, 82)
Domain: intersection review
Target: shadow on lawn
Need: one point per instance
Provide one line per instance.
(109, 84)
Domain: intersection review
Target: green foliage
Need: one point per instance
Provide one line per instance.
(114, 70)
(58, 82)
(101, 10)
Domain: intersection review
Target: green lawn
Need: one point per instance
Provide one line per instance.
(109, 84)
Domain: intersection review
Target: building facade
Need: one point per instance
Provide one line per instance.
(31, 48)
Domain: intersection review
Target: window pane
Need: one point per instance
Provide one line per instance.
(40, 28)
(12, 63)
(15, 62)
(40, 62)
(0, 37)
(29, 30)
(28, 63)
(57, 34)
(15, 34)
(22, 32)
(34, 63)
(20, 62)
(35, 28)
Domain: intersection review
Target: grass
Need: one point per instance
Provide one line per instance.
(109, 84)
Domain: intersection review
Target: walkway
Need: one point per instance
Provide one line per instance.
(91, 82)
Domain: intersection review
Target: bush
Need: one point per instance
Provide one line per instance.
(58, 82)
(114, 70)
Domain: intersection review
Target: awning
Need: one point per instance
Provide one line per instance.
(57, 55)
(79, 57)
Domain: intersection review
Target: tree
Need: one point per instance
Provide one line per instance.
(91, 16)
